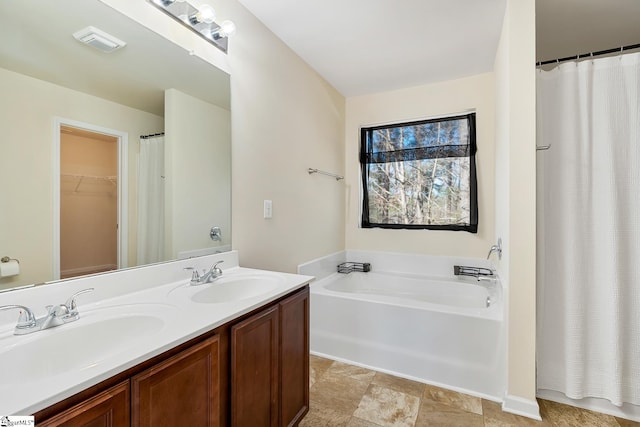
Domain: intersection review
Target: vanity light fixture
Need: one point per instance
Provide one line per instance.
(226, 29)
(200, 19)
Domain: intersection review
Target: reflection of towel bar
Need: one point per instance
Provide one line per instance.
(337, 177)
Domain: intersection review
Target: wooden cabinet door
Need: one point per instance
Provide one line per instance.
(183, 390)
(107, 409)
(294, 358)
(254, 370)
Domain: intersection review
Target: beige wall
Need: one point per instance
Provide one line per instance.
(516, 189)
(438, 99)
(27, 111)
(198, 173)
(285, 118)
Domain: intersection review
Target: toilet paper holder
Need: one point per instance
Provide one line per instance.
(7, 259)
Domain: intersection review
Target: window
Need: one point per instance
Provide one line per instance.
(420, 175)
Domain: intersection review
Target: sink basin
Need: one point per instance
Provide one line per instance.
(77, 346)
(236, 288)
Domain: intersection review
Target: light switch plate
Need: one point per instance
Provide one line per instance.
(268, 209)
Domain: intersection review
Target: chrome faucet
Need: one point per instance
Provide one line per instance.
(480, 273)
(496, 248)
(490, 279)
(207, 276)
(26, 320)
(56, 315)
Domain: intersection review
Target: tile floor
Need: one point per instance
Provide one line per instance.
(350, 396)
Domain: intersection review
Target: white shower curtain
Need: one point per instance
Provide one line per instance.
(151, 200)
(589, 293)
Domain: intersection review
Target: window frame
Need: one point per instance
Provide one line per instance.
(472, 227)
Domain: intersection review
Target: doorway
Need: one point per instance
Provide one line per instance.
(89, 236)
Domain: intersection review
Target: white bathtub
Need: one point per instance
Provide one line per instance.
(444, 331)
(462, 296)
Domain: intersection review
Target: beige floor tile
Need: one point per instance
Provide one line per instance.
(320, 416)
(317, 368)
(320, 363)
(454, 399)
(412, 388)
(314, 375)
(357, 422)
(388, 408)
(339, 369)
(435, 414)
(569, 416)
(340, 393)
(344, 395)
(495, 417)
(627, 423)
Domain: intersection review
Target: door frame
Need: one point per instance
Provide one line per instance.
(123, 185)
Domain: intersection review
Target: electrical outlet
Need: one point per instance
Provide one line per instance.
(268, 209)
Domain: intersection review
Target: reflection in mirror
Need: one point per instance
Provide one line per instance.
(52, 85)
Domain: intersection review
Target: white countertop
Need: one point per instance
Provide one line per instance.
(126, 328)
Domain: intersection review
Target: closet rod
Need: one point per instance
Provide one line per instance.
(589, 55)
(110, 178)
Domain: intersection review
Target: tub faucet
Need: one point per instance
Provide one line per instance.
(496, 248)
(56, 315)
(480, 273)
(206, 277)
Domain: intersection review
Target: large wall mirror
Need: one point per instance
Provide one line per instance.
(86, 184)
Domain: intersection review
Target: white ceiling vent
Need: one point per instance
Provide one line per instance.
(98, 39)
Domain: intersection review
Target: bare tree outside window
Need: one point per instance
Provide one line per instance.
(420, 174)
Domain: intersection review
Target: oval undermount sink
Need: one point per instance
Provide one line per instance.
(230, 288)
(77, 346)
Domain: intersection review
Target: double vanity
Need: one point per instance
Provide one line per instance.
(153, 346)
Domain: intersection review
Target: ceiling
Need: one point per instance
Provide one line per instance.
(37, 41)
(570, 27)
(369, 46)
(359, 46)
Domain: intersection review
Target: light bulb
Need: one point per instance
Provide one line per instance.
(206, 13)
(227, 28)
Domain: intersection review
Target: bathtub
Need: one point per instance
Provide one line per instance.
(441, 330)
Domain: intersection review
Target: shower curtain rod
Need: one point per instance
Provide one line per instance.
(589, 55)
(151, 135)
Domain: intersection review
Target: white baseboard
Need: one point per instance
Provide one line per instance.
(520, 406)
